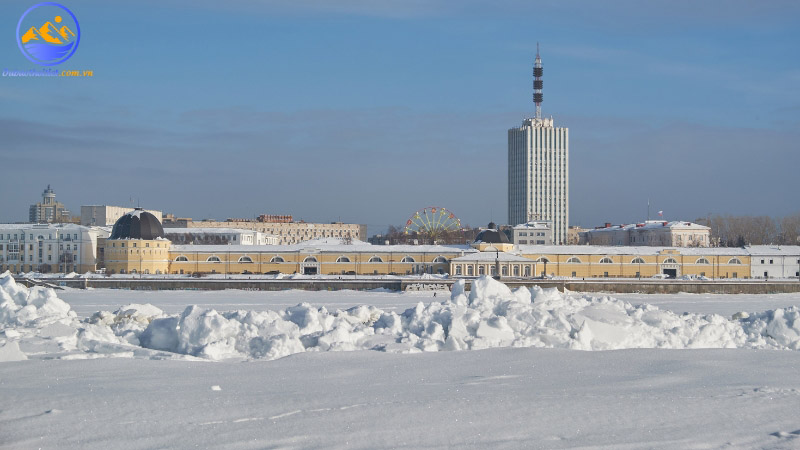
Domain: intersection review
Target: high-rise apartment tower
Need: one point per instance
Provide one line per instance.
(538, 168)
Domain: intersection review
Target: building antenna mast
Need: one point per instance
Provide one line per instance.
(537, 83)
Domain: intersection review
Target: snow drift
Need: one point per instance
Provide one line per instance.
(489, 315)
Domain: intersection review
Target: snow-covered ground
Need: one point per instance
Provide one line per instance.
(277, 374)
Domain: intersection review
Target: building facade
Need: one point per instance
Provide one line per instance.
(538, 175)
(773, 261)
(48, 210)
(650, 233)
(49, 248)
(534, 233)
(104, 215)
(287, 233)
(136, 245)
(218, 236)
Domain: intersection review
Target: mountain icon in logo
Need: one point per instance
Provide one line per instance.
(52, 42)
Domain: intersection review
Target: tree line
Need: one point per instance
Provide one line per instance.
(738, 231)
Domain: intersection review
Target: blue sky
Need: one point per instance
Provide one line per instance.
(365, 111)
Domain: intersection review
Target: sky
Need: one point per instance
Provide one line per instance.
(367, 111)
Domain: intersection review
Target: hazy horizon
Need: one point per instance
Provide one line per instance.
(365, 112)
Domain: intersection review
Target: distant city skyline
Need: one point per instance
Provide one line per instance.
(367, 112)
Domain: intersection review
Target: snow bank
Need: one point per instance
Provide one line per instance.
(489, 315)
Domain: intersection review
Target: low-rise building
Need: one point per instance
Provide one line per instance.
(774, 261)
(318, 257)
(533, 233)
(287, 232)
(650, 233)
(104, 215)
(49, 247)
(136, 245)
(218, 236)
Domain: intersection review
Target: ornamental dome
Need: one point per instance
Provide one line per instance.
(492, 236)
(137, 224)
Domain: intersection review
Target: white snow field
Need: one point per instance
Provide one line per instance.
(271, 376)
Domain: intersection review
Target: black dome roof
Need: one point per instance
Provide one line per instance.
(492, 236)
(137, 224)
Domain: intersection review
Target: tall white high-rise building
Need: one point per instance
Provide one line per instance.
(538, 169)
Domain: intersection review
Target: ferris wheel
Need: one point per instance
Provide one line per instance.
(432, 221)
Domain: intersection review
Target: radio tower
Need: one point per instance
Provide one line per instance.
(537, 83)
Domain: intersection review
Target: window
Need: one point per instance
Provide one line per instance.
(638, 275)
(734, 261)
(440, 260)
(134, 244)
(605, 274)
(702, 261)
(276, 259)
(245, 259)
(770, 261)
(574, 274)
(762, 261)
(375, 259)
(470, 271)
(481, 270)
(458, 270)
(542, 260)
(606, 260)
(527, 271)
(407, 259)
(516, 271)
(669, 261)
(523, 242)
(343, 259)
(504, 271)
(214, 259)
(574, 260)
(310, 259)
(637, 260)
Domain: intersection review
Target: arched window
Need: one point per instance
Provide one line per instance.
(542, 260)
(310, 259)
(637, 260)
(470, 271)
(407, 259)
(606, 260)
(181, 259)
(574, 260)
(245, 259)
(375, 259)
(504, 271)
(481, 270)
(702, 261)
(516, 271)
(734, 261)
(669, 261)
(276, 259)
(527, 271)
(213, 258)
(440, 260)
(343, 259)
(458, 270)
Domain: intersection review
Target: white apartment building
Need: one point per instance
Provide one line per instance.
(774, 261)
(538, 175)
(49, 247)
(533, 233)
(287, 232)
(652, 233)
(218, 236)
(103, 215)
